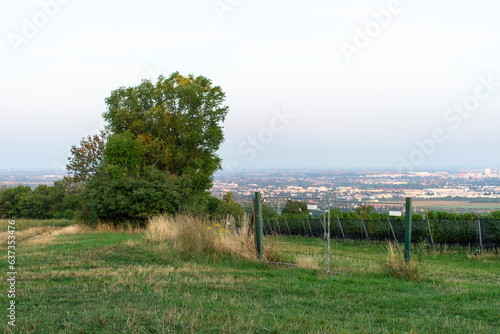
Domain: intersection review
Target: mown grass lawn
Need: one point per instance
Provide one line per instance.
(76, 280)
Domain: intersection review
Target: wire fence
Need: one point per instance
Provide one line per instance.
(439, 231)
(367, 221)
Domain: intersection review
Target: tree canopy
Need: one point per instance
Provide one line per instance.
(228, 206)
(175, 122)
(160, 152)
(85, 159)
(295, 209)
(364, 210)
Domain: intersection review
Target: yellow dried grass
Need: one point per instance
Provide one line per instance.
(308, 261)
(192, 234)
(41, 235)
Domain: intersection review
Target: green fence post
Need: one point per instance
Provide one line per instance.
(408, 230)
(479, 233)
(259, 235)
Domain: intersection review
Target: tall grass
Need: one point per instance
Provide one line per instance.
(125, 227)
(396, 266)
(195, 235)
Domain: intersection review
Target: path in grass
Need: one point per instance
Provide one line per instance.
(116, 282)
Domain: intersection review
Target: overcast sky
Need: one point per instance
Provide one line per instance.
(317, 84)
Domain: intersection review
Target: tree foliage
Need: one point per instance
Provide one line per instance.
(161, 150)
(295, 209)
(123, 155)
(177, 121)
(85, 159)
(134, 198)
(228, 206)
(12, 199)
(364, 210)
(268, 212)
(43, 202)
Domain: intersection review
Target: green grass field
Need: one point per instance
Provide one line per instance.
(75, 280)
(456, 206)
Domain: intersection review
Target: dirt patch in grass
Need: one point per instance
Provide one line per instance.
(41, 235)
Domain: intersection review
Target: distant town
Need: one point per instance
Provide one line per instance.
(31, 177)
(482, 185)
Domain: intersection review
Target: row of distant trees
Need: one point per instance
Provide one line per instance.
(368, 212)
(42, 202)
(64, 200)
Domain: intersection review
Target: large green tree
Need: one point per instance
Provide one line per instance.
(161, 149)
(177, 122)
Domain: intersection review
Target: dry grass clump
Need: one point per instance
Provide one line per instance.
(396, 266)
(273, 250)
(239, 243)
(487, 255)
(125, 227)
(308, 261)
(72, 229)
(194, 235)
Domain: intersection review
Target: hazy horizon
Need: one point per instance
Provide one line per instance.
(391, 85)
(58, 171)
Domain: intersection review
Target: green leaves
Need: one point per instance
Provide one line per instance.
(86, 158)
(161, 151)
(295, 209)
(227, 206)
(123, 155)
(43, 202)
(135, 198)
(178, 122)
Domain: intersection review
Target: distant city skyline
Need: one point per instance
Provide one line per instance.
(350, 85)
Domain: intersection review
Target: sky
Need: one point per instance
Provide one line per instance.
(394, 84)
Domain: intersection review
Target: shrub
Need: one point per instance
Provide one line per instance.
(396, 266)
(133, 198)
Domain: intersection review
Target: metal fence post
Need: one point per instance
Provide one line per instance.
(479, 233)
(287, 227)
(325, 237)
(328, 255)
(430, 234)
(393, 234)
(366, 232)
(408, 230)
(310, 229)
(258, 226)
(304, 226)
(341, 229)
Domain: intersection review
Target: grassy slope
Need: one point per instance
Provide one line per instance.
(109, 282)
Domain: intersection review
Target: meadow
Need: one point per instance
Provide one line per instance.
(74, 279)
(456, 206)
